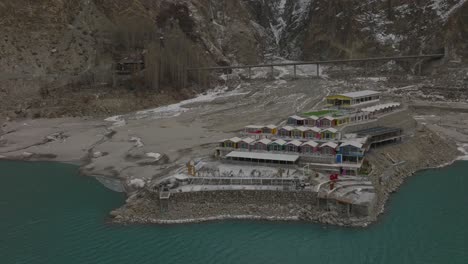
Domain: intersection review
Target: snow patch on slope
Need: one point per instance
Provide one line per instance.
(176, 109)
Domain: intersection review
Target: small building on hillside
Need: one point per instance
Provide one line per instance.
(285, 131)
(270, 130)
(245, 143)
(311, 121)
(253, 129)
(296, 120)
(353, 99)
(330, 133)
(313, 133)
(328, 148)
(351, 151)
(260, 145)
(326, 121)
(342, 120)
(277, 145)
(293, 146)
(298, 132)
(309, 147)
(230, 143)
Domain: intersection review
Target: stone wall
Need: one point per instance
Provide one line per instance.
(246, 197)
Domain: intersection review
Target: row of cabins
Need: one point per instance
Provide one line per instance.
(346, 151)
(354, 99)
(290, 132)
(333, 121)
(328, 121)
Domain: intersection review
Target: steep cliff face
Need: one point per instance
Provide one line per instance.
(353, 29)
(72, 36)
(53, 43)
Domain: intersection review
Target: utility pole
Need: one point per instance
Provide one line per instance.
(161, 45)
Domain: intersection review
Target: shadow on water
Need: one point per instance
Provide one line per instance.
(50, 214)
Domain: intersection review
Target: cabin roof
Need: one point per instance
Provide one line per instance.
(328, 118)
(271, 126)
(351, 143)
(360, 94)
(235, 139)
(315, 129)
(310, 143)
(296, 143)
(296, 117)
(265, 141)
(330, 129)
(288, 128)
(279, 142)
(302, 128)
(248, 140)
(329, 144)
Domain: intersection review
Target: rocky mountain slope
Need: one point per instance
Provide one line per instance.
(59, 47)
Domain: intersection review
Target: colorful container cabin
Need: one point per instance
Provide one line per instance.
(311, 121)
(285, 131)
(309, 147)
(231, 143)
(253, 129)
(270, 130)
(313, 133)
(277, 145)
(293, 146)
(342, 120)
(298, 132)
(296, 120)
(260, 145)
(353, 99)
(330, 133)
(352, 151)
(326, 121)
(328, 148)
(245, 143)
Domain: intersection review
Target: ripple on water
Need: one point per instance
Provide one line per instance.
(51, 215)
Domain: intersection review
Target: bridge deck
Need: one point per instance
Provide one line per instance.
(435, 56)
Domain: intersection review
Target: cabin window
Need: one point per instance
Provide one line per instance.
(275, 147)
(327, 151)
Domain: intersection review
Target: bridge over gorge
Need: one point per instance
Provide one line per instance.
(417, 58)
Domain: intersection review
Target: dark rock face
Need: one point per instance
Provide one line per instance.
(54, 47)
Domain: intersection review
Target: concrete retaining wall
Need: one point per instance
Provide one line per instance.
(244, 197)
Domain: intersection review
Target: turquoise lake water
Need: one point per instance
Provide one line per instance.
(49, 214)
